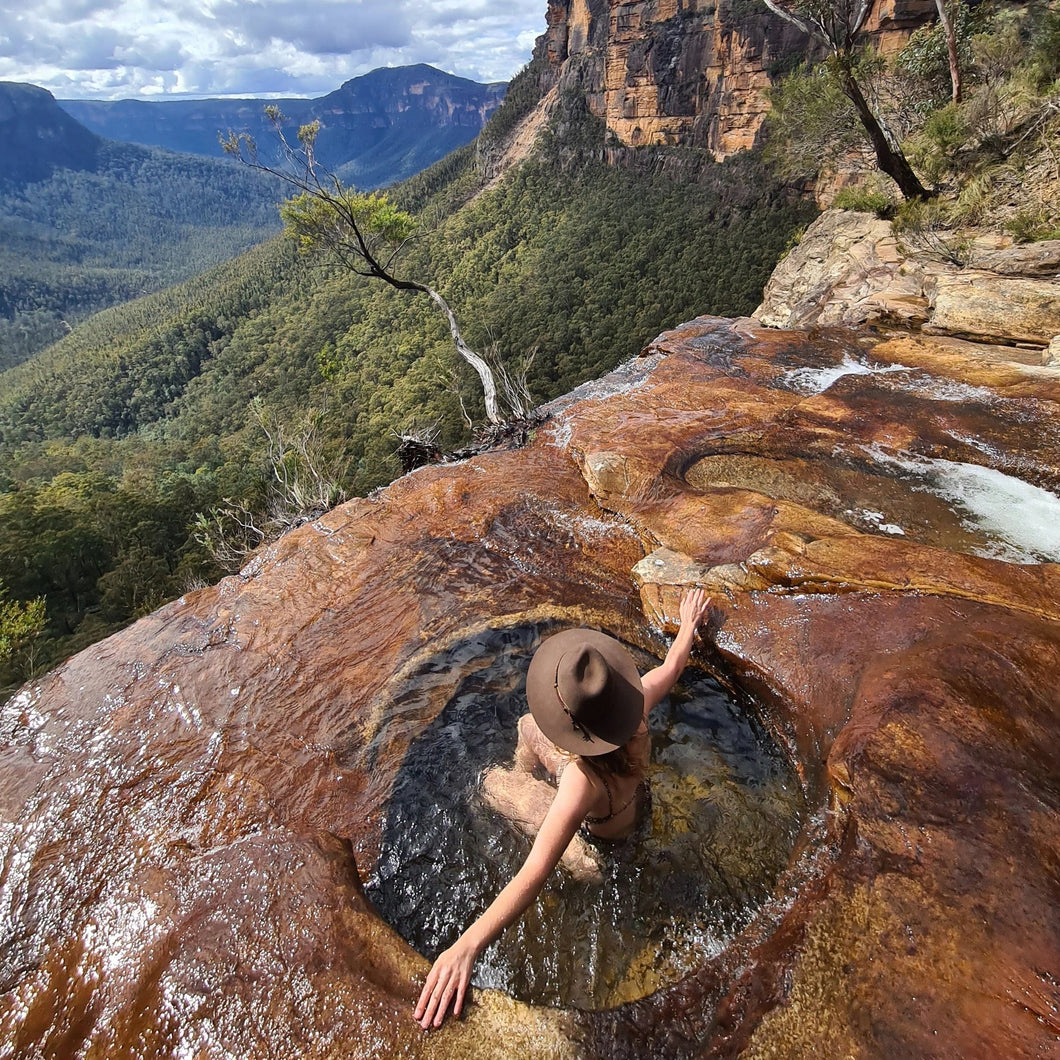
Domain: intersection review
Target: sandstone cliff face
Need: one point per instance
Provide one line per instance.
(189, 809)
(690, 72)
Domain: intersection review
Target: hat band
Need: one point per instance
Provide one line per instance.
(582, 730)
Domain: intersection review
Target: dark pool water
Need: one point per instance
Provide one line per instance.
(725, 813)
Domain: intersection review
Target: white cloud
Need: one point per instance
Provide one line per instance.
(107, 49)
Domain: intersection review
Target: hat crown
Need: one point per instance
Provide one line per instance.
(582, 677)
(584, 691)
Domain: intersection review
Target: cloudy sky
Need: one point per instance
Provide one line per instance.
(118, 49)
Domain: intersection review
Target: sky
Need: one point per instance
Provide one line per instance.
(146, 49)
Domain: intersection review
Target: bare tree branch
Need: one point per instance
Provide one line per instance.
(363, 232)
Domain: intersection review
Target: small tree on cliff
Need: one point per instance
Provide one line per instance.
(20, 625)
(838, 24)
(363, 232)
(952, 54)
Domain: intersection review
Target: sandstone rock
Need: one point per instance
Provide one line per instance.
(1025, 259)
(844, 270)
(849, 269)
(1051, 354)
(981, 305)
(694, 74)
(189, 808)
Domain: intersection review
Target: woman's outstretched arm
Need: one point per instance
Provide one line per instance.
(658, 682)
(448, 978)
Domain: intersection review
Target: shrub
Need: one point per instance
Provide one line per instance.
(1045, 48)
(1029, 226)
(934, 150)
(925, 228)
(865, 200)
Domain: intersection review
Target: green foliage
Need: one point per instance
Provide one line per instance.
(935, 150)
(925, 228)
(161, 409)
(1045, 48)
(1030, 225)
(98, 545)
(974, 151)
(811, 123)
(926, 57)
(80, 241)
(300, 484)
(743, 14)
(20, 623)
(319, 223)
(865, 200)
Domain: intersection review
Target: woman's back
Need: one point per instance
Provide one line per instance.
(621, 779)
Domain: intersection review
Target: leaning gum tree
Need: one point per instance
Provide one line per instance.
(365, 233)
(838, 25)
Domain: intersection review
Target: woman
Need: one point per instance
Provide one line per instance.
(586, 697)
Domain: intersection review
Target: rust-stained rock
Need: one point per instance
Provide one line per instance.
(189, 808)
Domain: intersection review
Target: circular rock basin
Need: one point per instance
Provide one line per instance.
(726, 810)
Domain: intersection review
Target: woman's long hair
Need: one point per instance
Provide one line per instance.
(616, 763)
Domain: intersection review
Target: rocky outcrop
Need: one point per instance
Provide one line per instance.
(690, 72)
(850, 268)
(190, 807)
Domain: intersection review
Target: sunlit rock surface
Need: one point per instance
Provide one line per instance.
(692, 72)
(190, 808)
(850, 268)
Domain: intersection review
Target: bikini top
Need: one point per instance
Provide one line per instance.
(612, 813)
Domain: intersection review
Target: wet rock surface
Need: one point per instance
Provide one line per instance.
(189, 809)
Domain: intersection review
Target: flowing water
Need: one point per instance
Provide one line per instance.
(949, 488)
(725, 813)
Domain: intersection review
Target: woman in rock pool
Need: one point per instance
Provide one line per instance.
(588, 728)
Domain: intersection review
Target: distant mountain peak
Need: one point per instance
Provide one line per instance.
(38, 136)
(379, 127)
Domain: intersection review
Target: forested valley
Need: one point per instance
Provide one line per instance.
(139, 220)
(146, 451)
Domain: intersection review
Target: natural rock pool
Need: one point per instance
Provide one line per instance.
(726, 808)
(190, 811)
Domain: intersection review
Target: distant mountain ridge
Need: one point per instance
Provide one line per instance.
(39, 137)
(377, 129)
(87, 222)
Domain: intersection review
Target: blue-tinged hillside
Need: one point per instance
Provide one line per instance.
(87, 222)
(379, 128)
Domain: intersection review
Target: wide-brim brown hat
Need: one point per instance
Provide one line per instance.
(584, 692)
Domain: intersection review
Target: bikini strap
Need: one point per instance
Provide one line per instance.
(611, 811)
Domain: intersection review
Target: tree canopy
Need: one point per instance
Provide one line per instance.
(838, 25)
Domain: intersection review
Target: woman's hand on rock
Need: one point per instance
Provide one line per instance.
(446, 985)
(694, 605)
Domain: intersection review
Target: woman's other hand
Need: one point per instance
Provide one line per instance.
(446, 985)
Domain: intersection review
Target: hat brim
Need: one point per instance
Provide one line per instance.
(626, 694)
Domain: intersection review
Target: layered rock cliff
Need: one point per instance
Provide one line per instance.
(850, 268)
(688, 72)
